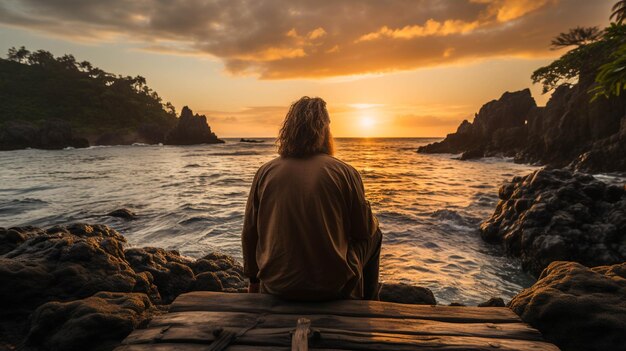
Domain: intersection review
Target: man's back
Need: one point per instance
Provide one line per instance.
(302, 216)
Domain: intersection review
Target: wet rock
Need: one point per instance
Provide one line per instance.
(556, 215)
(404, 293)
(98, 322)
(569, 131)
(498, 128)
(577, 308)
(175, 274)
(123, 213)
(191, 129)
(456, 304)
(493, 302)
(66, 263)
(81, 277)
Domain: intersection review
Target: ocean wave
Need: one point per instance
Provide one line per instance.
(234, 153)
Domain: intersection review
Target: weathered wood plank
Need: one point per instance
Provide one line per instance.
(202, 347)
(300, 337)
(336, 338)
(263, 303)
(197, 347)
(380, 325)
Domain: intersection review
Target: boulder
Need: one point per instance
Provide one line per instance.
(65, 263)
(493, 302)
(175, 274)
(80, 281)
(408, 294)
(191, 129)
(95, 323)
(577, 308)
(557, 215)
(123, 213)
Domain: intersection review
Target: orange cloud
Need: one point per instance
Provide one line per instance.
(312, 39)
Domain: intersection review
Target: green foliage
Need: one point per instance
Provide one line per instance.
(611, 78)
(36, 86)
(585, 59)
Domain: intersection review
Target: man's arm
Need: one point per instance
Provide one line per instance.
(363, 222)
(250, 237)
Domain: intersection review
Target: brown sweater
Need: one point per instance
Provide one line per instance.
(301, 217)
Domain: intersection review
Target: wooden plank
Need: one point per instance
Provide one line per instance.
(264, 303)
(336, 338)
(519, 331)
(300, 337)
(196, 347)
(201, 347)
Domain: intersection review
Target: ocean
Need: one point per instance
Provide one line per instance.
(192, 199)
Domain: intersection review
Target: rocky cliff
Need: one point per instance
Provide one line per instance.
(52, 134)
(569, 131)
(191, 129)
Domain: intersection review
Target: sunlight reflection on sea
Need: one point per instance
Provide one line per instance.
(192, 199)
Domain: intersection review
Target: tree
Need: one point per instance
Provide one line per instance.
(576, 37)
(18, 55)
(611, 79)
(582, 61)
(619, 12)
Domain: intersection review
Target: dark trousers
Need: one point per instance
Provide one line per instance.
(367, 255)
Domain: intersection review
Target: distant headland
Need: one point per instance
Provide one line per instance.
(57, 102)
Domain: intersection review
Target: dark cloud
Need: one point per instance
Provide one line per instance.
(278, 39)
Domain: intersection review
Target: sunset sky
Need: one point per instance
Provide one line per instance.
(386, 68)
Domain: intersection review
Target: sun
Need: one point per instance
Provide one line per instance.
(367, 122)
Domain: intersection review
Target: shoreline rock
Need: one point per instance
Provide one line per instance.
(577, 308)
(559, 215)
(191, 130)
(86, 270)
(570, 131)
(53, 134)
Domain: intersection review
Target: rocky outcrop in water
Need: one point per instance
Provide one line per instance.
(558, 215)
(191, 129)
(569, 131)
(577, 308)
(52, 134)
(85, 270)
(499, 127)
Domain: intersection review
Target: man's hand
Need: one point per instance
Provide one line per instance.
(253, 288)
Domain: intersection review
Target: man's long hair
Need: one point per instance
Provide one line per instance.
(306, 129)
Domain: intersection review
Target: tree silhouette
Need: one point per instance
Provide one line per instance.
(576, 37)
(619, 12)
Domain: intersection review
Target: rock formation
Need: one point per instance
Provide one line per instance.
(577, 308)
(84, 272)
(52, 134)
(569, 131)
(499, 127)
(404, 293)
(558, 215)
(191, 129)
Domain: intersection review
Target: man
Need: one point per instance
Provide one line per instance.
(309, 232)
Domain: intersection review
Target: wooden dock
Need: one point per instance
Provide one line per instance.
(242, 322)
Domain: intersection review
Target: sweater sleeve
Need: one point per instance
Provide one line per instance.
(363, 222)
(250, 236)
